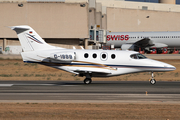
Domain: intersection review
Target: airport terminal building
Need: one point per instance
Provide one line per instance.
(68, 23)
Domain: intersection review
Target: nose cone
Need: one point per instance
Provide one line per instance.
(161, 66)
(169, 67)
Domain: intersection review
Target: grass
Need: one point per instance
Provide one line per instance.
(16, 75)
(176, 74)
(25, 75)
(76, 78)
(5, 75)
(40, 75)
(89, 111)
(31, 64)
(118, 79)
(60, 75)
(10, 75)
(51, 75)
(1, 64)
(16, 63)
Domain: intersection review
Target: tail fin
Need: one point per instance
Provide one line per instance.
(29, 39)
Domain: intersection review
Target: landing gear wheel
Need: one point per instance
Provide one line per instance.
(87, 81)
(153, 81)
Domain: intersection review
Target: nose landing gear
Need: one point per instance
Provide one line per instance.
(152, 80)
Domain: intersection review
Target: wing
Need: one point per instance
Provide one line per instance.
(145, 42)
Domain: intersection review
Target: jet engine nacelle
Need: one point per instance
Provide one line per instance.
(159, 45)
(127, 47)
(63, 56)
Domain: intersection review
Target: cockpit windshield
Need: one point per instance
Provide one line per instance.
(138, 56)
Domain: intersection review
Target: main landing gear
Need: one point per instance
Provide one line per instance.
(87, 80)
(152, 80)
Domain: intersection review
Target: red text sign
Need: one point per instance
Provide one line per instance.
(117, 37)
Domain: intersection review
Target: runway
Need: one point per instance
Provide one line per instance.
(98, 91)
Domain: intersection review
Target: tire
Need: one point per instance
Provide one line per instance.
(153, 81)
(87, 81)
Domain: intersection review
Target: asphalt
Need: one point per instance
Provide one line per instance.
(98, 91)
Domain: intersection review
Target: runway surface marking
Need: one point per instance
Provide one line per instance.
(10, 85)
(6, 85)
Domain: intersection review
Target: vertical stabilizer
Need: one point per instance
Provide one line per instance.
(29, 39)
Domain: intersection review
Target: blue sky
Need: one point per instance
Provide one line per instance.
(155, 1)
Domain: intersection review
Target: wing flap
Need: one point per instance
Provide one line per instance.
(94, 70)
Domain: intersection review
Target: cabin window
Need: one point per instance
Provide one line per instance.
(86, 55)
(94, 55)
(140, 56)
(137, 56)
(133, 56)
(103, 56)
(113, 56)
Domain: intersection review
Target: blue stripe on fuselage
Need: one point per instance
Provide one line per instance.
(106, 65)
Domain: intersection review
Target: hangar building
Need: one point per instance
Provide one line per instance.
(69, 23)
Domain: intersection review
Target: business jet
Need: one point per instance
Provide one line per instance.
(88, 63)
(144, 40)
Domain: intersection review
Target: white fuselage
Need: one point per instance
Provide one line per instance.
(88, 63)
(108, 62)
(171, 39)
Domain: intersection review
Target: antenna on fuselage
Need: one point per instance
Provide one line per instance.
(82, 47)
(74, 47)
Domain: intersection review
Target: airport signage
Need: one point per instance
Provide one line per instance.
(117, 37)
